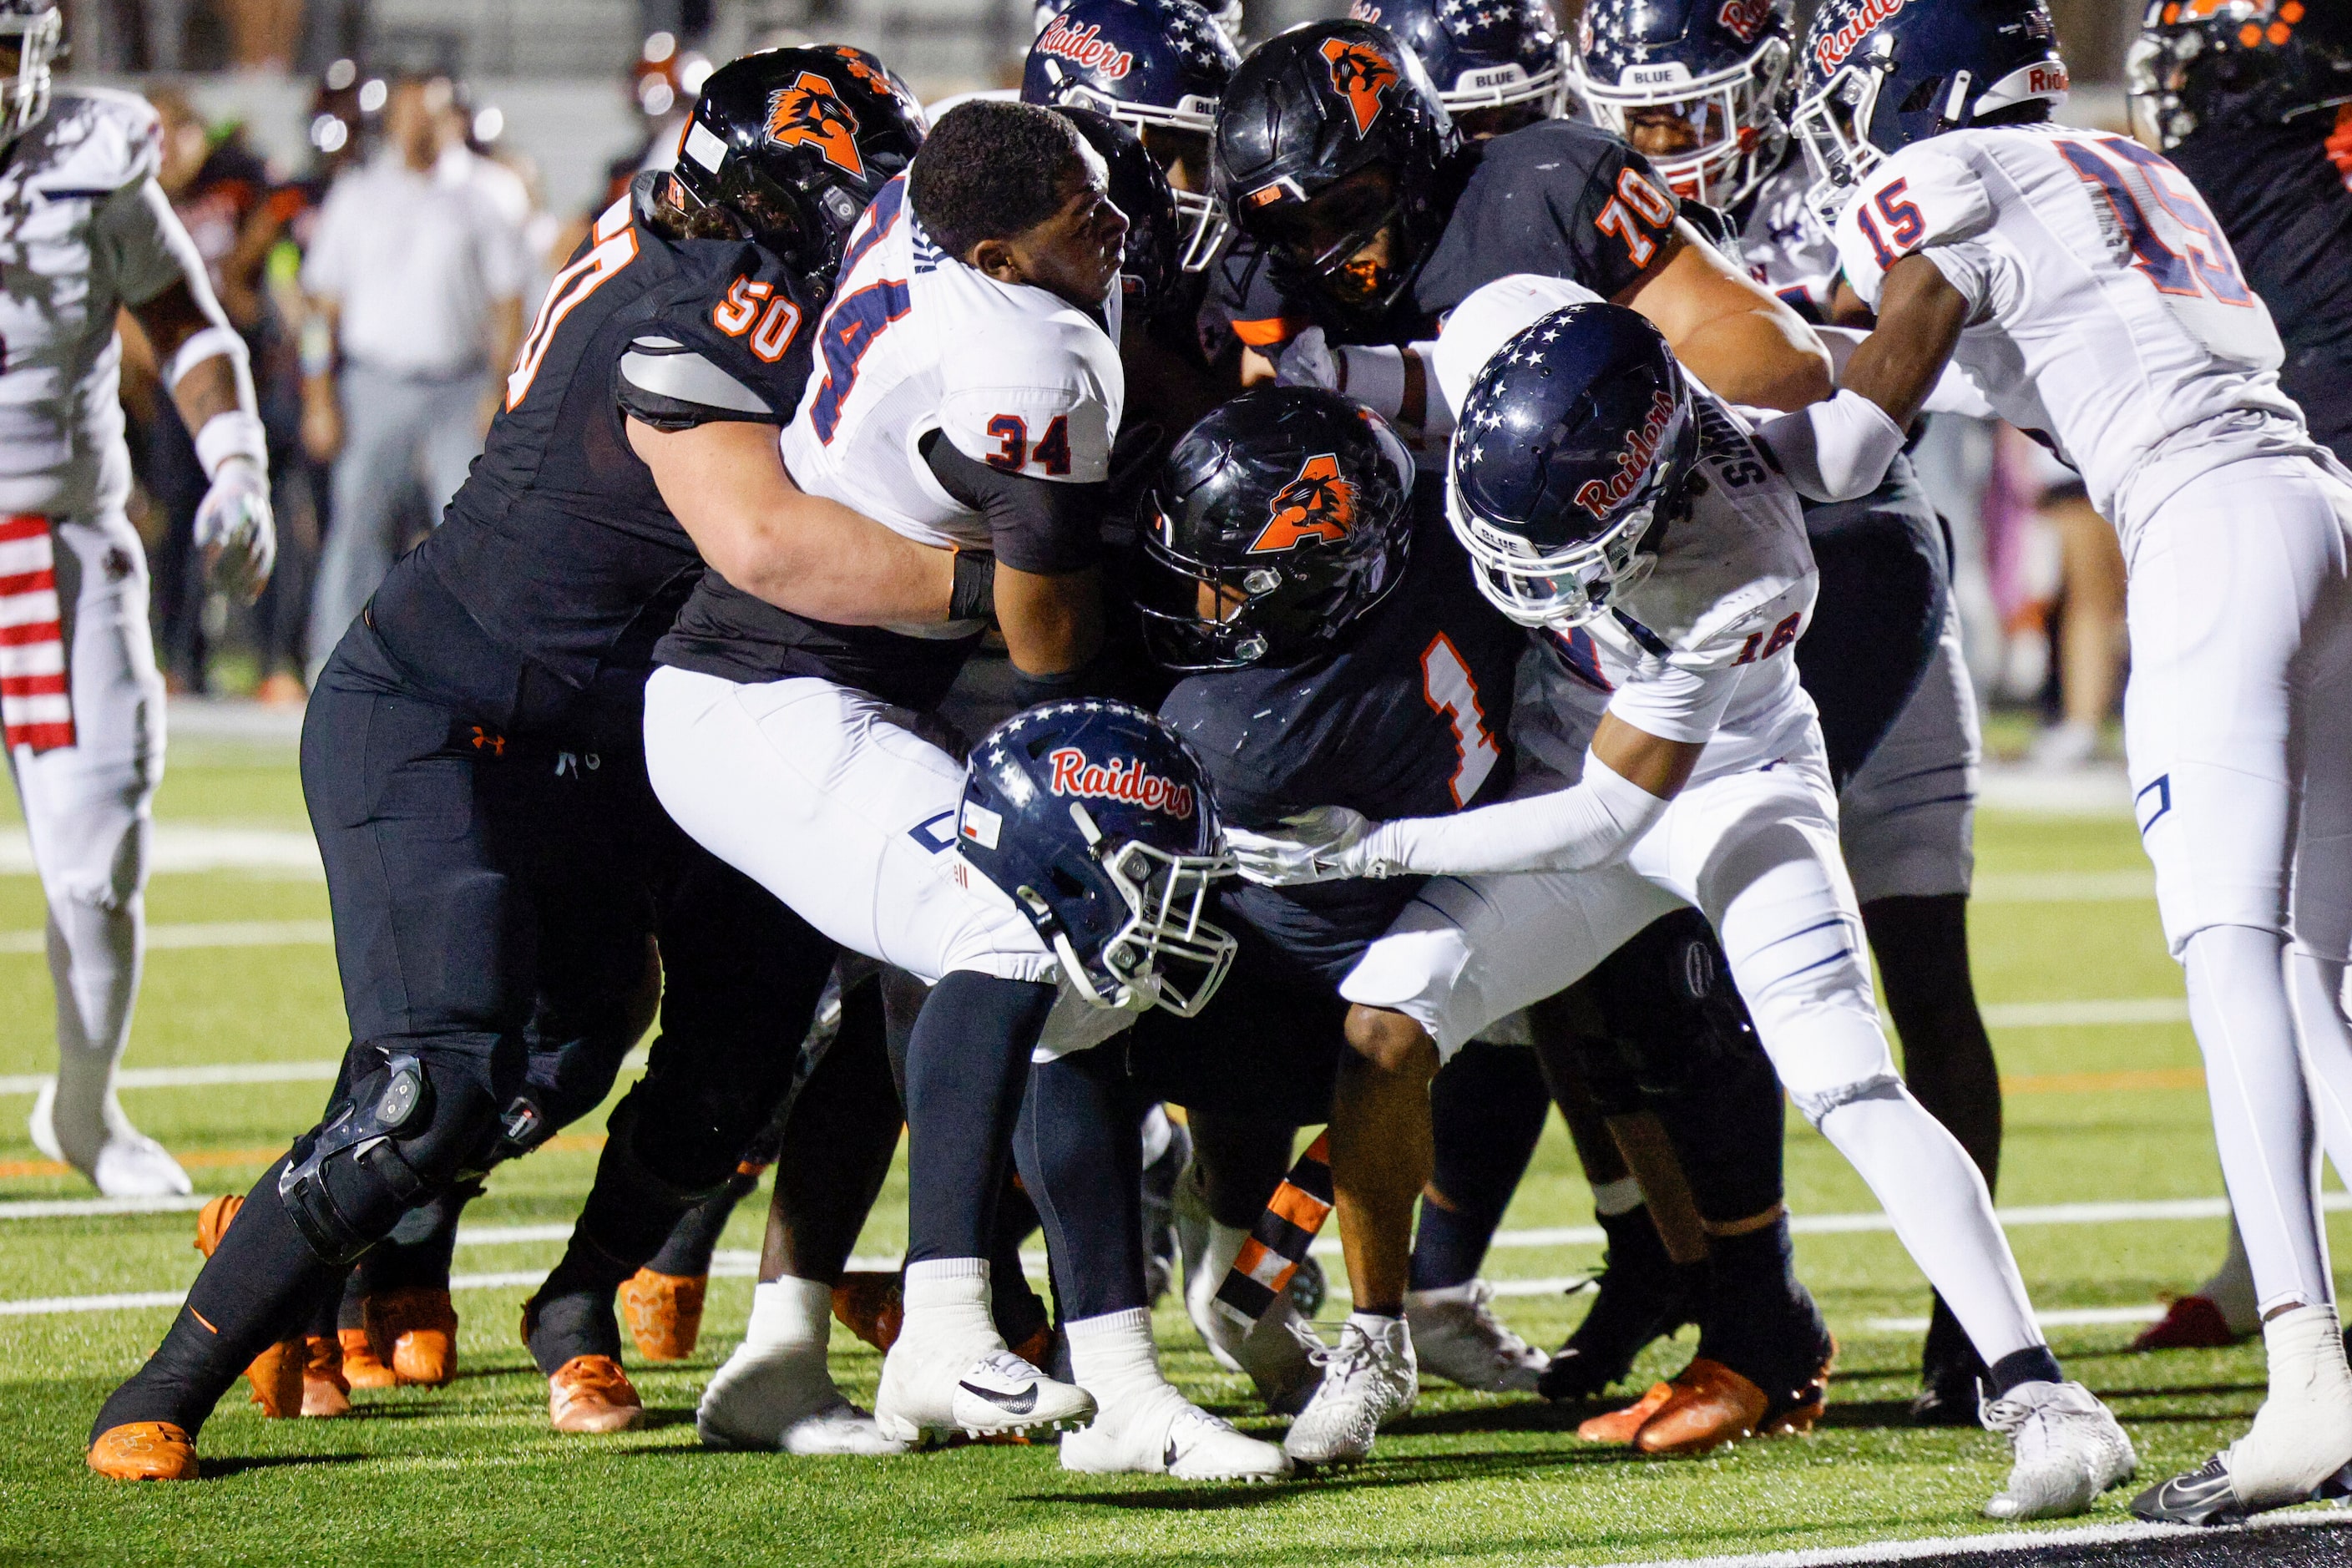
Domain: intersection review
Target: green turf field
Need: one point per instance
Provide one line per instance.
(2098, 1111)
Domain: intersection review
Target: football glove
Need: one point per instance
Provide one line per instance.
(1328, 844)
(235, 528)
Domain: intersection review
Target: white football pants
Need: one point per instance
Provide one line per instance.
(828, 798)
(87, 814)
(2238, 732)
(1758, 853)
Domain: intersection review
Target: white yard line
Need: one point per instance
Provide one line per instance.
(2065, 1318)
(2086, 1014)
(178, 847)
(318, 1070)
(2022, 1543)
(210, 934)
(2065, 888)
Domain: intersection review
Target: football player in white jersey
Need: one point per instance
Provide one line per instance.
(85, 230)
(967, 392)
(2078, 284)
(1630, 515)
(1703, 90)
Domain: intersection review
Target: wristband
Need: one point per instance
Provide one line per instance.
(316, 348)
(974, 597)
(1373, 376)
(205, 343)
(232, 434)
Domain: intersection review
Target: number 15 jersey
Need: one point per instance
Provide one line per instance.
(2106, 311)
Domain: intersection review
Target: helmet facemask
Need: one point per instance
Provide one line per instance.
(1202, 226)
(1833, 127)
(34, 37)
(1734, 116)
(1166, 954)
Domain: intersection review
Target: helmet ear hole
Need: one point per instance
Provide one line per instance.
(1922, 96)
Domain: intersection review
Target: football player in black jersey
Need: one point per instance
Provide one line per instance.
(2260, 118)
(472, 760)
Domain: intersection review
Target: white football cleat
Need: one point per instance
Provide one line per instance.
(783, 1399)
(1162, 1433)
(2068, 1450)
(976, 1389)
(1367, 1377)
(121, 1162)
(1273, 1353)
(1456, 1335)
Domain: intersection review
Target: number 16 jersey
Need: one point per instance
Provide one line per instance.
(2107, 312)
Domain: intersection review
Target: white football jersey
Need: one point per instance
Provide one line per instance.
(1731, 590)
(2109, 315)
(84, 230)
(1784, 246)
(914, 340)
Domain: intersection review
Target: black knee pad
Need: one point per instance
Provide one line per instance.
(405, 1130)
(1669, 1010)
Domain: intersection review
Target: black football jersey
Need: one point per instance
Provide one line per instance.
(1409, 718)
(2287, 212)
(559, 546)
(1559, 198)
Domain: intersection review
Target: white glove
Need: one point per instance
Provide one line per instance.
(1308, 361)
(1328, 844)
(235, 529)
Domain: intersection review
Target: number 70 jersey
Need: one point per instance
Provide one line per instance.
(914, 342)
(2107, 311)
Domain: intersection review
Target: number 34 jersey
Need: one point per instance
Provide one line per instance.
(915, 342)
(2107, 311)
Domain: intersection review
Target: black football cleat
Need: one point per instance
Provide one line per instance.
(1950, 1374)
(2204, 1497)
(1642, 1296)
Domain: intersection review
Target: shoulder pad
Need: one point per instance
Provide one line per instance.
(1923, 195)
(670, 385)
(1491, 317)
(94, 141)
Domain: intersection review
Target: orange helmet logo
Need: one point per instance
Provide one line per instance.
(1359, 74)
(809, 113)
(1318, 504)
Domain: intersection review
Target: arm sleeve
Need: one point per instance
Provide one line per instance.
(145, 247)
(1677, 704)
(1043, 402)
(1833, 451)
(1035, 525)
(1575, 829)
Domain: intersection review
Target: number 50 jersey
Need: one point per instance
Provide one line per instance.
(916, 341)
(2107, 311)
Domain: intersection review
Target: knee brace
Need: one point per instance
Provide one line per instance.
(402, 1131)
(1669, 1012)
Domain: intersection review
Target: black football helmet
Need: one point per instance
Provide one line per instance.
(792, 144)
(1148, 270)
(1720, 67)
(2235, 63)
(1159, 66)
(1288, 508)
(1308, 110)
(1577, 436)
(1496, 60)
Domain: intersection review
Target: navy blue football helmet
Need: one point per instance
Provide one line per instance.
(2235, 64)
(1879, 75)
(1157, 66)
(1495, 63)
(1717, 68)
(1140, 191)
(1094, 817)
(1576, 438)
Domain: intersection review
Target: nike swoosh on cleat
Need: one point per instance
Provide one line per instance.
(1021, 1404)
(1167, 1459)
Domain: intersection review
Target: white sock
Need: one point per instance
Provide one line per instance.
(1623, 1195)
(1942, 1213)
(94, 960)
(1112, 1356)
(2262, 1109)
(1380, 1328)
(1224, 1246)
(948, 1296)
(790, 1314)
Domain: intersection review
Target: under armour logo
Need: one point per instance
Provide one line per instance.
(485, 740)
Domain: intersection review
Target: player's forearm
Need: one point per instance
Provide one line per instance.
(1053, 625)
(1590, 824)
(201, 360)
(1920, 316)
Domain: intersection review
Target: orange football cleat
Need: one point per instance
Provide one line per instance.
(324, 1391)
(871, 1304)
(1709, 1405)
(277, 1373)
(361, 1367)
(665, 1312)
(592, 1394)
(1619, 1426)
(414, 1330)
(144, 1451)
(2190, 1323)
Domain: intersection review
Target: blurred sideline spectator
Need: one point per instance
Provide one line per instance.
(418, 268)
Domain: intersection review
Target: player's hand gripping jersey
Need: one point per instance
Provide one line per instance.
(88, 231)
(2107, 312)
(558, 547)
